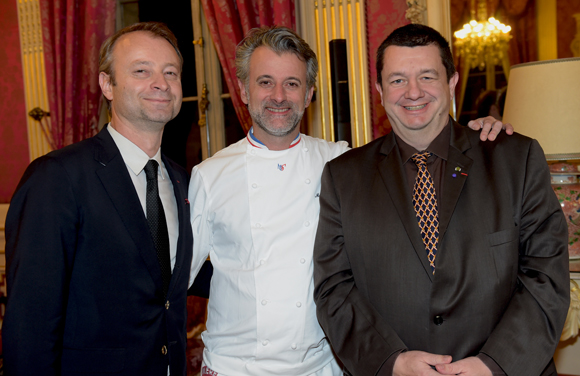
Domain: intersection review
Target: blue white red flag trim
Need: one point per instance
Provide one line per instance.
(258, 144)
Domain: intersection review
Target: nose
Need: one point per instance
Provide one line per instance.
(160, 82)
(278, 94)
(414, 90)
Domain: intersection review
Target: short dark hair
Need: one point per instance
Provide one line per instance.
(155, 29)
(414, 35)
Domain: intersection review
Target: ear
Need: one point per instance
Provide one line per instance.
(243, 93)
(379, 89)
(309, 97)
(106, 85)
(453, 83)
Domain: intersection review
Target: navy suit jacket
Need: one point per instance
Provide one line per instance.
(501, 282)
(85, 292)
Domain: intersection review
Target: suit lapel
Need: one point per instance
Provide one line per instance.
(393, 176)
(179, 189)
(121, 190)
(459, 164)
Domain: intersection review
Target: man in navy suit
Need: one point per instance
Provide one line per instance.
(86, 290)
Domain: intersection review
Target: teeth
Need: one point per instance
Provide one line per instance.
(415, 107)
(277, 109)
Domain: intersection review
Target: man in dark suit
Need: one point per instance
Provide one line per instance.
(99, 240)
(482, 288)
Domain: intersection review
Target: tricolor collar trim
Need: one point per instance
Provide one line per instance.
(258, 144)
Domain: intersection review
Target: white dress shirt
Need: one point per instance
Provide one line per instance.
(135, 159)
(255, 212)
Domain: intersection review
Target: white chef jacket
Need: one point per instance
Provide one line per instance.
(255, 212)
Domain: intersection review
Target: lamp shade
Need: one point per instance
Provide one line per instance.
(543, 102)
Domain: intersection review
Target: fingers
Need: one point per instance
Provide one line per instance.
(471, 366)
(418, 363)
(490, 128)
(509, 129)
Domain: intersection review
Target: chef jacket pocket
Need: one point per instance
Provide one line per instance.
(95, 360)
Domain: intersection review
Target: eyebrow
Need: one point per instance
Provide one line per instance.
(423, 71)
(285, 79)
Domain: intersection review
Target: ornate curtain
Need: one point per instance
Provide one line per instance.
(229, 21)
(73, 32)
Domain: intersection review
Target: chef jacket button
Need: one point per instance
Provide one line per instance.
(438, 320)
(307, 181)
(262, 262)
(167, 305)
(302, 261)
(265, 343)
(254, 185)
(164, 350)
(298, 304)
(264, 302)
(294, 346)
(305, 149)
(306, 224)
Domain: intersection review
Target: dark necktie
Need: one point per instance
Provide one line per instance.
(425, 204)
(157, 222)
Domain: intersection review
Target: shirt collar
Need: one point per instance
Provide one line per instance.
(134, 157)
(258, 144)
(439, 146)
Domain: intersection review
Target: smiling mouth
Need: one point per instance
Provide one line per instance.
(277, 109)
(414, 108)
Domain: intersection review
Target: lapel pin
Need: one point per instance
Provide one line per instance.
(454, 175)
(187, 201)
(457, 168)
(464, 174)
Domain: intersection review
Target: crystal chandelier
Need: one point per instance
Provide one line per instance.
(482, 42)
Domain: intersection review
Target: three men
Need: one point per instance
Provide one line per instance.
(98, 234)
(437, 253)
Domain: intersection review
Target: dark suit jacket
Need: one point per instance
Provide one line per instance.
(85, 292)
(501, 283)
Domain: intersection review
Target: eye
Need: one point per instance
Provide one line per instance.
(265, 83)
(398, 81)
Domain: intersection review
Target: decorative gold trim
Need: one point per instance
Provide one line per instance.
(30, 27)
(328, 86)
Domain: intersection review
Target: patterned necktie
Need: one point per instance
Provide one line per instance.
(425, 204)
(157, 222)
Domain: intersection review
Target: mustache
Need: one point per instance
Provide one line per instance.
(278, 104)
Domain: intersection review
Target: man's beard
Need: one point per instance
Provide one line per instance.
(260, 117)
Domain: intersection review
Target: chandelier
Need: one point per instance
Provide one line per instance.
(482, 42)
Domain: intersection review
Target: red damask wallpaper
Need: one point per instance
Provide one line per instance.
(382, 16)
(13, 134)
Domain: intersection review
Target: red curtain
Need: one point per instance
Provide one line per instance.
(73, 31)
(229, 21)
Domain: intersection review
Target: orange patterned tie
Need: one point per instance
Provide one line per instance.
(425, 204)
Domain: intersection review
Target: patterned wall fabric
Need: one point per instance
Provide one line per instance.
(382, 16)
(13, 134)
(73, 32)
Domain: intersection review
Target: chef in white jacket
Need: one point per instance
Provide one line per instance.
(255, 212)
